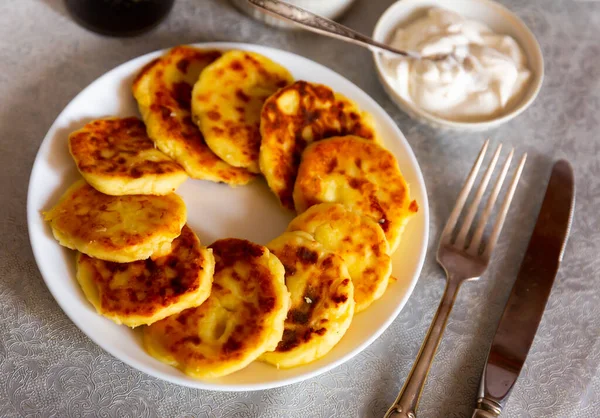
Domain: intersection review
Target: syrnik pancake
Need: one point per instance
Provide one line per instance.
(242, 318)
(358, 240)
(227, 101)
(116, 228)
(322, 300)
(146, 291)
(361, 175)
(294, 117)
(163, 90)
(116, 157)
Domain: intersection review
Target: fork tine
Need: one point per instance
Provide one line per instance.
(504, 210)
(462, 197)
(464, 230)
(489, 206)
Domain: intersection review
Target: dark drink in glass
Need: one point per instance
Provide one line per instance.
(119, 17)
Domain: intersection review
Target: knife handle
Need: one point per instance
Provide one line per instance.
(481, 413)
(486, 409)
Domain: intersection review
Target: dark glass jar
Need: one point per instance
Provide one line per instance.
(119, 17)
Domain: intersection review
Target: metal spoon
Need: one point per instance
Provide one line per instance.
(324, 26)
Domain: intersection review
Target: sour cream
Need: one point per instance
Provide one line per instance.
(484, 75)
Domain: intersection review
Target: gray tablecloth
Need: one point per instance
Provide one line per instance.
(50, 368)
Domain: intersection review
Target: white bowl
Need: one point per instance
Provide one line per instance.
(497, 17)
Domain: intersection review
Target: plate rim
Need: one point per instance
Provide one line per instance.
(132, 361)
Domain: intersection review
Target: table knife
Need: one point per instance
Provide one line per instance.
(530, 292)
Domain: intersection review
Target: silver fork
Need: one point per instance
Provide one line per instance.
(462, 260)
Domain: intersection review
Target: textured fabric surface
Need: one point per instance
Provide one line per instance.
(49, 368)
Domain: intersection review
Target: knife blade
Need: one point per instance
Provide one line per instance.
(527, 301)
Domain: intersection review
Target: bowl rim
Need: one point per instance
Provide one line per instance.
(412, 110)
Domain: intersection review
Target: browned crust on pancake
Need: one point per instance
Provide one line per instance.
(230, 251)
(79, 214)
(322, 157)
(320, 110)
(179, 333)
(105, 146)
(358, 240)
(227, 104)
(323, 289)
(168, 112)
(144, 71)
(154, 284)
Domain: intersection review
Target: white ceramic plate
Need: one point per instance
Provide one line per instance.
(214, 211)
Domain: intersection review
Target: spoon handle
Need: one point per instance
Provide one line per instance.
(323, 26)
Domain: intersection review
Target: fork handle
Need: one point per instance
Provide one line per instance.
(406, 403)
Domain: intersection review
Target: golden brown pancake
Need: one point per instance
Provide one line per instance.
(242, 318)
(294, 117)
(358, 240)
(116, 157)
(146, 291)
(163, 90)
(116, 228)
(227, 100)
(322, 300)
(361, 175)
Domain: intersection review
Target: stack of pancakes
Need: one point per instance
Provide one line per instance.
(229, 117)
